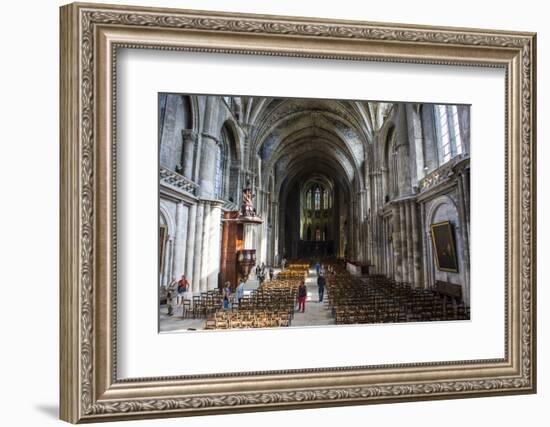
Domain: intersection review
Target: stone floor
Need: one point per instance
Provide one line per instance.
(316, 313)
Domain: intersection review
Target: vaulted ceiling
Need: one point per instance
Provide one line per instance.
(296, 138)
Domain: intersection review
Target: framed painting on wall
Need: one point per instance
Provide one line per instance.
(444, 246)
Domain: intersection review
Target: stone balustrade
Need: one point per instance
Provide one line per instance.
(177, 181)
(229, 206)
(443, 172)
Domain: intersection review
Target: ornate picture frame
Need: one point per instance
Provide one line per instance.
(90, 37)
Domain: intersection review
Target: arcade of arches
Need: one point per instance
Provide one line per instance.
(355, 183)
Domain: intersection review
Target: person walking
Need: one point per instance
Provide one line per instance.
(321, 281)
(183, 285)
(271, 273)
(171, 296)
(317, 267)
(258, 272)
(283, 264)
(226, 296)
(240, 291)
(302, 295)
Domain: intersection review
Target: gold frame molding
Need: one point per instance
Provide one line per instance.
(90, 36)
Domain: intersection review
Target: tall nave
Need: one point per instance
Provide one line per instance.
(272, 192)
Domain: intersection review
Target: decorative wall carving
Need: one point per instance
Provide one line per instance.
(177, 181)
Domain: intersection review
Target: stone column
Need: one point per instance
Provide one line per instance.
(425, 243)
(352, 226)
(207, 174)
(390, 250)
(197, 252)
(370, 253)
(416, 232)
(465, 241)
(265, 227)
(384, 248)
(402, 148)
(166, 263)
(215, 246)
(403, 243)
(189, 139)
(415, 138)
(179, 241)
(190, 251)
(275, 233)
(383, 173)
(205, 248)
(430, 256)
(366, 230)
(465, 177)
(197, 159)
(281, 236)
(410, 261)
(170, 260)
(396, 241)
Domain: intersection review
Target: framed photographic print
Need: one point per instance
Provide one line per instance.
(308, 195)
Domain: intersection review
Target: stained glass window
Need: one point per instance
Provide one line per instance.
(448, 129)
(456, 129)
(317, 198)
(444, 136)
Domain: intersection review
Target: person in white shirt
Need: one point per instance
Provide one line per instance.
(240, 291)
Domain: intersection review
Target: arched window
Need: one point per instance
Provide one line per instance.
(448, 132)
(325, 199)
(318, 234)
(456, 129)
(317, 198)
(308, 199)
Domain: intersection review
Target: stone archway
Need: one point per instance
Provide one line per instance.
(441, 209)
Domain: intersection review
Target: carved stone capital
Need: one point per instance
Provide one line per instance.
(189, 135)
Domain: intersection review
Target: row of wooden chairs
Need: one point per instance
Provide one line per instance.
(377, 299)
(274, 295)
(292, 275)
(248, 319)
(298, 266)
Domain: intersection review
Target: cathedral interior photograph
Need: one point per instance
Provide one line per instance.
(289, 212)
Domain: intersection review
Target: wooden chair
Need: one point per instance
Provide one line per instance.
(199, 309)
(210, 323)
(235, 323)
(186, 305)
(247, 322)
